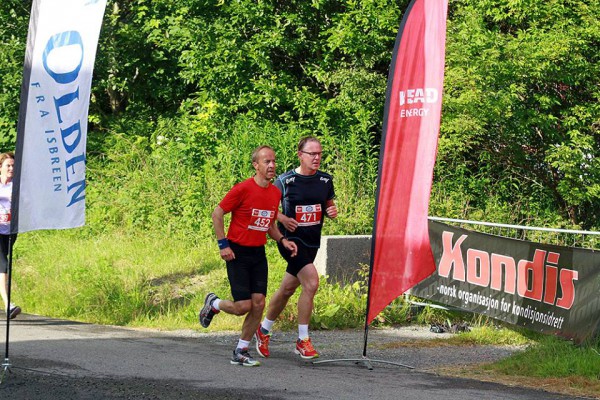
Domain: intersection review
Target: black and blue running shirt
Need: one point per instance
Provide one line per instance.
(304, 198)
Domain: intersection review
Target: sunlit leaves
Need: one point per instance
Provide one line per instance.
(522, 99)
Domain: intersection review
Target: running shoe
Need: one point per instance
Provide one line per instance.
(262, 342)
(208, 311)
(305, 349)
(242, 357)
(14, 311)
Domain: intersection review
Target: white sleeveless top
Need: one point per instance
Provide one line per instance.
(5, 197)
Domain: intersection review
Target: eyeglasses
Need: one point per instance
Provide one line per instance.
(314, 154)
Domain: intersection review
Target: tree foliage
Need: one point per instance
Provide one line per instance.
(521, 109)
(14, 16)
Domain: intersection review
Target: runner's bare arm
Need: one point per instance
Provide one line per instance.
(219, 226)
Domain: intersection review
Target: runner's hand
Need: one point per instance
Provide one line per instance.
(331, 211)
(290, 224)
(227, 254)
(291, 246)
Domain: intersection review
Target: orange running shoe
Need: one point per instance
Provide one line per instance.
(262, 342)
(305, 349)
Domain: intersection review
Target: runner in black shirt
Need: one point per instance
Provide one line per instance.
(306, 197)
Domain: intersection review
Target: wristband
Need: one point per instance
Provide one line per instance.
(281, 239)
(223, 243)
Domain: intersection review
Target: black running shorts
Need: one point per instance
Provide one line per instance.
(248, 272)
(306, 255)
(4, 252)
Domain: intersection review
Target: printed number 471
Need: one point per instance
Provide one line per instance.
(309, 217)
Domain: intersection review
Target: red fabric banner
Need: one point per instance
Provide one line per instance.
(401, 254)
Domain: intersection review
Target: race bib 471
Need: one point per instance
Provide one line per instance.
(308, 215)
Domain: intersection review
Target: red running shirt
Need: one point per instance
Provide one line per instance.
(253, 210)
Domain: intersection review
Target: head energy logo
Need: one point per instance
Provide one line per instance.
(416, 102)
(419, 95)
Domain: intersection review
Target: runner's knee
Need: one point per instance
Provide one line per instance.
(258, 303)
(242, 307)
(310, 286)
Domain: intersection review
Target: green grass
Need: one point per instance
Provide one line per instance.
(489, 334)
(150, 280)
(546, 362)
(113, 279)
(553, 357)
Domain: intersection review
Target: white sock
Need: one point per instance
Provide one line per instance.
(243, 344)
(216, 303)
(302, 332)
(267, 324)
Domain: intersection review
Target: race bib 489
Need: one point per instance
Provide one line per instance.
(4, 218)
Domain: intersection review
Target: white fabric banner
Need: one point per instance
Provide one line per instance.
(49, 189)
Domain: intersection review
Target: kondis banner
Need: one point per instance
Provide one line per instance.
(550, 289)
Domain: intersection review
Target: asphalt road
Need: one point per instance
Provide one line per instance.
(57, 359)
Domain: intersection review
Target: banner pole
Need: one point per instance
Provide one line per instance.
(6, 363)
(366, 339)
(364, 359)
